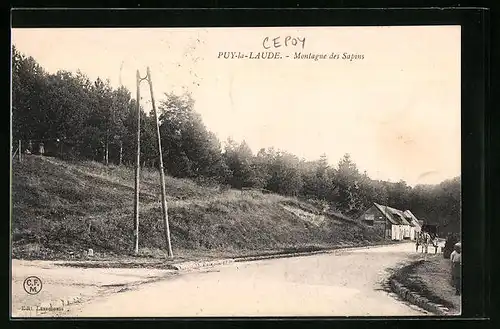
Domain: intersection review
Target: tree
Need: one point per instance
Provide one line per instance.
(348, 179)
(29, 86)
(323, 182)
(130, 133)
(190, 150)
(239, 160)
(93, 119)
(285, 177)
(398, 194)
(117, 130)
(438, 204)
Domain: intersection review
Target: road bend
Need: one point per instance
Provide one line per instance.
(335, 284)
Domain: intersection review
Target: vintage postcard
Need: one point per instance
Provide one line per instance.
(264, 172)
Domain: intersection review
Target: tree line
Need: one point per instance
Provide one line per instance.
(90, 120)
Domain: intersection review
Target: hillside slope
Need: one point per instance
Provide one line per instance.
(60, 208)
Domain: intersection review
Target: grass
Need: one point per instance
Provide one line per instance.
(431, 279)
(435, 274)
(62, 208)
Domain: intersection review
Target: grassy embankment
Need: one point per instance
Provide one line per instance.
(61, 209)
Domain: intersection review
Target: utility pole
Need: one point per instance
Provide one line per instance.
(120, 76)
(121, 153)
(162, 175)
(137, 167)
(20, 151)
(121, 141)
(106, 150)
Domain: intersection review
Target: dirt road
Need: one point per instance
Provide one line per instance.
(341, 284)
(62, 285)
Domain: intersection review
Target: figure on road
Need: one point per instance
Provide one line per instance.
(426, 239)
(41, 148)
(435, 243)
(30, 147)
(456, 263)
(449, 246)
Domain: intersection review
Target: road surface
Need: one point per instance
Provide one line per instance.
(342, 284)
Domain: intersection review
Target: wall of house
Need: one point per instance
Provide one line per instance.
(401, 232)
(375, 218)
(388, 229)
(372, 214)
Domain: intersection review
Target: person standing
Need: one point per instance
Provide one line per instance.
(435, 242)
(417, 242)
(422, 241)
(456, 264)
(449, 245)
(428, 241)
(41, 148)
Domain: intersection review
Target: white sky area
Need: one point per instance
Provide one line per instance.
(397, 111)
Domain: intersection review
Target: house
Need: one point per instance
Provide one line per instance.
(393, 223)
(400, 229)
(415, 224)
(411, 218)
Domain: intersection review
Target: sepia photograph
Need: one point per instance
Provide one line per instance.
(236, 172)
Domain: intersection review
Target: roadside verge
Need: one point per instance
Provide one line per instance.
(194, 265)
(409, 284)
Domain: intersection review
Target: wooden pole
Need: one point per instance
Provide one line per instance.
(20, 151)
(121, 153)
(162, 175)
(104, 153)
(137, 167)
(106, 157)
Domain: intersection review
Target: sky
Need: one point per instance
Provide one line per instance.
(395, 108)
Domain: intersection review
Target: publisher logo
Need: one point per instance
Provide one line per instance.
(32, 285)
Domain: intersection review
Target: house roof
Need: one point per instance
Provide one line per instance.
(412, 219)
(396, 216)
(400, 215)
(393, 218)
